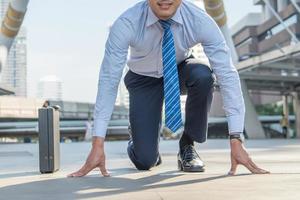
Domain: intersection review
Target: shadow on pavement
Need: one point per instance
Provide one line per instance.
(19, 174)
(95, 186)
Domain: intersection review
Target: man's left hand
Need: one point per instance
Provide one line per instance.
(240, 156)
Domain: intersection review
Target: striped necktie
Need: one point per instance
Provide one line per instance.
(173, 119)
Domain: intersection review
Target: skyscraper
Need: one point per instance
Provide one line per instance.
(14, 73)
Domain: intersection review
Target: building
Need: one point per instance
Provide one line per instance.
(14, 73)
(273, 37)
(50, 88)
(3, 7)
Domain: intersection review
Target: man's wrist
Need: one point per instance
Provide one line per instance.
(98, 141)
(236, 136)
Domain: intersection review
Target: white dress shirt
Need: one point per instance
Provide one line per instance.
(138, 29)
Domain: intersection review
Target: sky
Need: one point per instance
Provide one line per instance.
(66, 38)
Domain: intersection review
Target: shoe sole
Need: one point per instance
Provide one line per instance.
(192, 169)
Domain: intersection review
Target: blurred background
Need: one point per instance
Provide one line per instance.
(56, 55)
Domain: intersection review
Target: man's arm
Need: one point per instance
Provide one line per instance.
(218, 53)
(116, 50)
(228, 79)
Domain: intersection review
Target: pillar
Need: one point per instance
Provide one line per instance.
(253, 126)
(286, 113)
(296, 105)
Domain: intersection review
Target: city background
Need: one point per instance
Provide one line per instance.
(56, 57)
(50, 56)
(72, 54)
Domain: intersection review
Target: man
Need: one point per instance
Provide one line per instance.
(159, 34)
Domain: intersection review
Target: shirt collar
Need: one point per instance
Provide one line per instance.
(152, 19)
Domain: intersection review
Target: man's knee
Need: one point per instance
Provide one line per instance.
(143, 159)
(146, 161)
(200, 76)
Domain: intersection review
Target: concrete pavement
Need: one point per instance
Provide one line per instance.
(20, 178)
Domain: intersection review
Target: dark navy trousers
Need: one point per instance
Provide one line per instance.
(146, 95)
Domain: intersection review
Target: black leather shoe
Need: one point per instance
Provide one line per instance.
(189, 160)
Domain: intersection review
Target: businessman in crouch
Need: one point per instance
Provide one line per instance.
(159, 34)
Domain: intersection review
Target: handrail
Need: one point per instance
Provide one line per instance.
(295, 5)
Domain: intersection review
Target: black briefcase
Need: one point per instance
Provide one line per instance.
(49, 138)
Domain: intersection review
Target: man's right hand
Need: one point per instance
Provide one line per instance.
(96, 159)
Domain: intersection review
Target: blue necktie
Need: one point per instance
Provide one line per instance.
(173, 119)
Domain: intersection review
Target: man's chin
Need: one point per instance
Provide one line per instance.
(165, 16)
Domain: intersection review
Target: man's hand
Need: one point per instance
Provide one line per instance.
(95, 159)
(239, 155)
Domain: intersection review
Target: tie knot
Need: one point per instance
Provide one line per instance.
(165, 23)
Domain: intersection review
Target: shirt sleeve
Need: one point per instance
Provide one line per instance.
(218, 53)
(115, 57)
